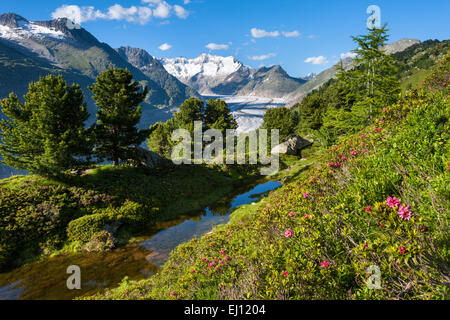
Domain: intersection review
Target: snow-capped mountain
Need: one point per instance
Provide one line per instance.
(216, 75)
(63, 45)
(14, 27)
(203, 72)
(309, 76)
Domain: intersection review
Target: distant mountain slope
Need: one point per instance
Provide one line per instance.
(211, 75)
(329, 73)
(78, 51)
(17, 70)
(154, 70)
(271, 82)
(417, 61)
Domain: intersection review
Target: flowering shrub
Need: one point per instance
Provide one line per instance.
(386, 207)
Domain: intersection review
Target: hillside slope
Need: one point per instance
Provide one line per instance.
(154, 70)
(328, 74)
(378, 200)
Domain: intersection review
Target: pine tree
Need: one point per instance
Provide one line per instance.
(374, 78)
(218, 116)
(190, 111)
(159, 139)
(45, 134)
(117, 97)
(282, 119)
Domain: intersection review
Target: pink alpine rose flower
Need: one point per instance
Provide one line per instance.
(291, 214)
(368, 208)
(392, 202)
(285, 273)
(288, 234)
(353, 153)
(325, 264)
(306, 195)
(404, 212)
(402, 250)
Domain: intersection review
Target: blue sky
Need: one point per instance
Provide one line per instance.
(257, 32)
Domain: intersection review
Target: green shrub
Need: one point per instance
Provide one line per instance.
(84, 228)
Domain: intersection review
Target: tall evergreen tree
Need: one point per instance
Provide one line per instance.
(375, 77)
(281, 118)
(191, 110)
(159, 139)
(45, 134)
(117, 97)
(218, 116)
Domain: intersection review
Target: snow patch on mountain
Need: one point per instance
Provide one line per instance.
(28, 29)
(206, 64)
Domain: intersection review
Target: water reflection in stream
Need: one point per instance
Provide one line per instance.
(47, 279)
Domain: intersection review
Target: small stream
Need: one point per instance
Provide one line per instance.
(47, 279)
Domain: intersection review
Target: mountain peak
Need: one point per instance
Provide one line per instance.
(137, 57)
(204, 66)
(400, 45)
(12, 20)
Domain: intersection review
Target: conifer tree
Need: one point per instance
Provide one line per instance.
(190, 111)
(281, 118)
(117, 97)
(374, 78)
(45, 134)
(218, 116)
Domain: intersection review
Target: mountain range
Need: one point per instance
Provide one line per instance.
(215, 75)
(55, 46)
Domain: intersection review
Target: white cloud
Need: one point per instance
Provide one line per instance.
(291, 34)
(77, 14)
(138, 14)
(259, 33)
(181, 12)
(165, 47)
(187, 1)
(348, 55)
(215, 46)
(133, 14)
(162, 10)
(312, 36)
(317, 60)
(262, 57)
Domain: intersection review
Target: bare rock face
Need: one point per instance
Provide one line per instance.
(292, 146)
